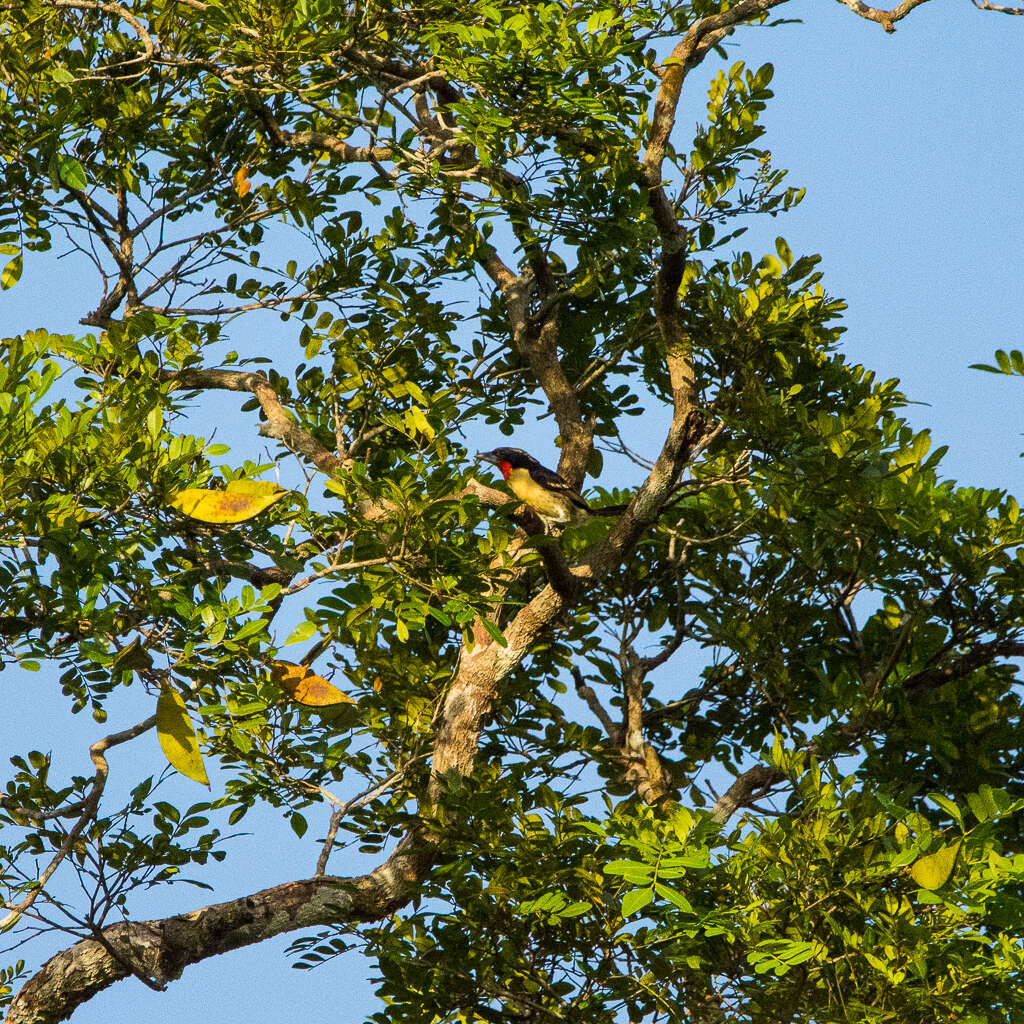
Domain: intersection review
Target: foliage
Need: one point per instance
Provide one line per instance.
(789, 783)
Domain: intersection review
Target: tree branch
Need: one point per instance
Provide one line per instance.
(88, 805)
(983, 5)
(753, 783)
(977, 657)
(587, 694)
(279, 425)
(887, 19)
(162, 949)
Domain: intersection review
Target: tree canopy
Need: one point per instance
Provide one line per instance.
(748, 750)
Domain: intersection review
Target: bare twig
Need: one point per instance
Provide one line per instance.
(150, 45)
(983, 5)
(587, 694)
(91, 802)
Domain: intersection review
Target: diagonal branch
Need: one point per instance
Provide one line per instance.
(977, 657)
(162, 949)
(699, 40)
(984, 5)
(753, 783)
(279, 425)
(538, 346)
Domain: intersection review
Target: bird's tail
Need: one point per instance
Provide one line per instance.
(608, 510)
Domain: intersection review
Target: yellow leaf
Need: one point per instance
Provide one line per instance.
(11, 273)
(239, 501)
(242, 182)
(247, 486)
(177, 737)
(933, 870)
(306, 686)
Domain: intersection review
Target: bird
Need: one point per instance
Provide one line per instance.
(554, 499)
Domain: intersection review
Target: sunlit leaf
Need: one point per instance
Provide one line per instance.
(72, 173)
(302, 632)
(636, 899)
(11, 274)
(247, 486)
(933, 871)
(242, 182)
(177, 737)
(239, 501)
(305, 686)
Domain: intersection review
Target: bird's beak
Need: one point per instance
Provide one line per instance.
(487, 457)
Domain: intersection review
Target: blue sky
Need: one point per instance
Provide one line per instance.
(912, 151)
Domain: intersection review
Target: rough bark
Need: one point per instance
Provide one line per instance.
(158, 951)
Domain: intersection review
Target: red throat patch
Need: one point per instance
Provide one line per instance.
(506, 468)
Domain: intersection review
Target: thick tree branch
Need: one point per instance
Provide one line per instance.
(283, 428)
(482, 669)
(977, 657)
(162, 949)
(587, 694)
(538, 346)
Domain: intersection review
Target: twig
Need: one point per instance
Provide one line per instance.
(983, 5)
(96, 752)
(332, 833)
(587, 694)
(359, 800)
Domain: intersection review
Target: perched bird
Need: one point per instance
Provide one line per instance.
(551, 497)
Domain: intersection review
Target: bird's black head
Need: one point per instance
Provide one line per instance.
(515, 458)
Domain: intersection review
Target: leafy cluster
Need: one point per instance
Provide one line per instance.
(788, 783)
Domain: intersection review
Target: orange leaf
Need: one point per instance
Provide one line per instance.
(242, 182)
(306, 686)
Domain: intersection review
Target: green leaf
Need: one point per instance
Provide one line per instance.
(494, 632)
(933, 870)
(11, 274)
(177, 737)
(302, 632)
(633, 870)
(947, 805)
(72, 174)
(979, 807)
(677, 899)
(575, 909)
(636, 899)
